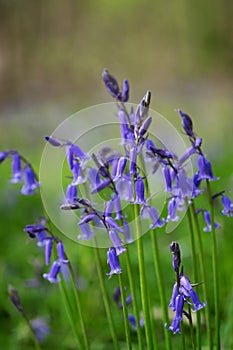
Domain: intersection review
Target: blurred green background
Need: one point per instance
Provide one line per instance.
(52, 54)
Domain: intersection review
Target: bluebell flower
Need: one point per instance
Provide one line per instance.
(40, 328)
(197, 305)
(61, 253)
(3, 156)
(132, 321)
(71, 194)
(101, 186)
(187, 123)
(87, 218)
(207, 219)
(143, 109)
(30, 182)
(120, 167)
(94, 178)
(172, 303)
(125, 91)
(86, 231)
(167, 178)
(172, 210)
(133, 161)
(16, 169)
(117, 295)
(179, 305)
(111, 84)
(139, 191)
(116, 241)
(48, 249)
(205, 169)
(74, 153)
(128, 237)
(145, 126)
(78, 176)
(227, 206)
(124, 187)
(112, 224)
(113, 261)
(175, 250)
(150, 212)
(53, 141)
(52, 276)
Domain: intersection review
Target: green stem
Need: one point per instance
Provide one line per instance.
(161, 288)
(191, 328)
(182, 335)
(125, 313)
(106, 299)
(203, 274)
(143, 282)
(79, 309)
(135, 300)
(215, 269)
(69, 310)
(195, 274)
(36, 343)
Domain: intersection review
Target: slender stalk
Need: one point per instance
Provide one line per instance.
(69, 310)
(135, 301)
(191, 328)
(125, 313)
(215, 269)
(182, 335)
(36, 343)
(203, 274)
(106, 299)
(161, 288)
(79, 309)
(143, 282)
(195, 274)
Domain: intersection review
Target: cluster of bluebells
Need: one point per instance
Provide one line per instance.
(120, 175)
(129, 300)
(22, 172)
(47, 240)
(183, 292)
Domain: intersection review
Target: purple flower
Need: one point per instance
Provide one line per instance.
(133, 161)
(30, 182)
(16, 169)
(139, 191)
(113, 261)
(124, 188)
(132, 321)
(227, 205)
(120, 167)
(87, 218)
(117, 206)
(205, 169)
(175, 250)
(71, 194)
(172, 210)
(48, 249)
(78, 177)
(3, 156)
(145, 126)
(187, 154)
(116, 241)
(61, 253)
(40, 328)
(172, 303)
(87, 233)
(112, 224)
(179, 305)
(207, 219)
(150, 212)
(128, 236)
(197, 305)
(52, 276)
(125, 91)
(167, 178)
(54, 142)
(187, 123)
(111, 84)
(74, 153)
(101, 186)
